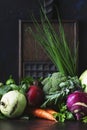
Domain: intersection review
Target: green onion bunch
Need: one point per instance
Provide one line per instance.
(55, 45)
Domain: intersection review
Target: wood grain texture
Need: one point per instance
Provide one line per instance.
(31, 51)
(39, 124)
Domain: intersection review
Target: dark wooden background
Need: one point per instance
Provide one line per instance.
(13, 10)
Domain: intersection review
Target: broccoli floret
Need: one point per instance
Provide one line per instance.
(57, 78)
(47, 84)
(51, 83)
(57, 87)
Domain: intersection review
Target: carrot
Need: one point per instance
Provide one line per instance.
(51, 111)
(41, 113)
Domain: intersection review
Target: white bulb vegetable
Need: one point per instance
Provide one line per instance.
(13, 104)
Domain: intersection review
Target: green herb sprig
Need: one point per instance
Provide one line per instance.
(63, 114)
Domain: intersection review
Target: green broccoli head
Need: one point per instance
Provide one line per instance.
(51, 83)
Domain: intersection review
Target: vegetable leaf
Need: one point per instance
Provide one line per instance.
(2, 116)
(63, 114)
(84, 119)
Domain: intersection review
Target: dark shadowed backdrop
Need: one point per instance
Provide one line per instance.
(13, 10)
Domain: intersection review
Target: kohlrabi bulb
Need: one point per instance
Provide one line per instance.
(13, 104)
(83, 80)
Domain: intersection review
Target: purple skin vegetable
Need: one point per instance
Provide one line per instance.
(77, 104)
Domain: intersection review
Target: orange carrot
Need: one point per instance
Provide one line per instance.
(41, 113)
(51, 111)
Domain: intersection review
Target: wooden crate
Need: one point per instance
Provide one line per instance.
(33, 60)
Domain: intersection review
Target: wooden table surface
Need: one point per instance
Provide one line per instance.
(40, 125)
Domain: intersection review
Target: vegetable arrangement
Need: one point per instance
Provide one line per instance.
(58, 97)
(63, 89)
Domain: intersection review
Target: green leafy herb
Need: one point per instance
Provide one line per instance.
(84, 119)
(27, 80)
(63, 114)
(10, 80)
(11, 85)
(4, 89)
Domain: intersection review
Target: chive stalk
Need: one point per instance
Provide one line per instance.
(56, 46)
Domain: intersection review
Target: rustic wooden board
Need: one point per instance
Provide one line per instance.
(33, 60)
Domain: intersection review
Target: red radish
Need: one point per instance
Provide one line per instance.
(35, 95)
